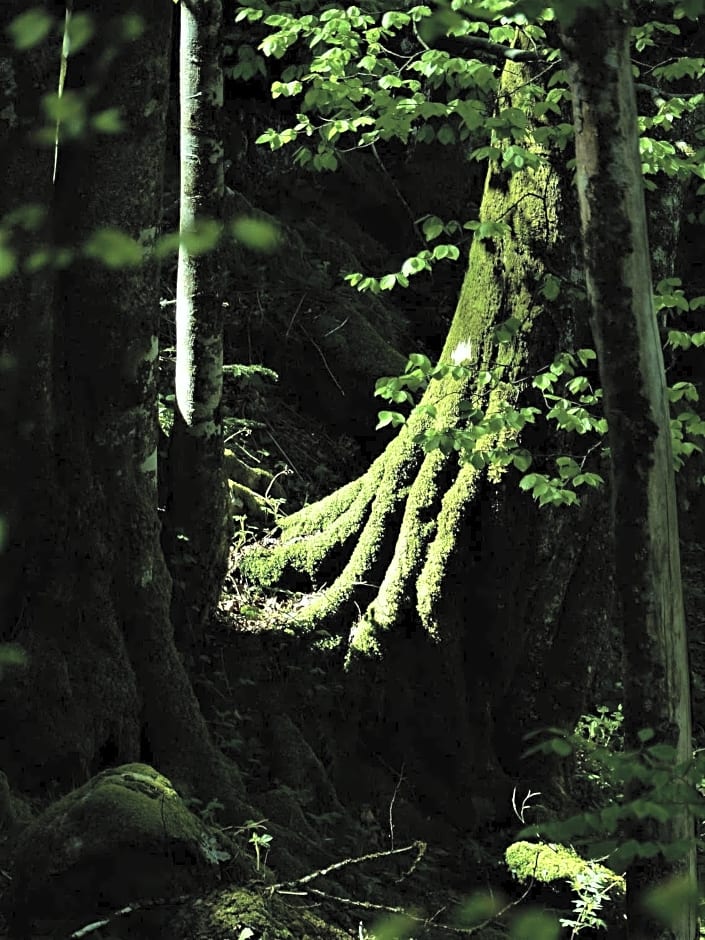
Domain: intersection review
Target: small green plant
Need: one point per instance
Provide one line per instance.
(593, 889)
(647, 784)
(593, 884)
(603, 728)
(207, 811)
(597, 735)
(261, 842)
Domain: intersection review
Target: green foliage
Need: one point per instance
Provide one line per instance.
(487, 430)
(534, 924)
(376, 74)
(30, 28)
(391, 927)
(645, 784)
(12, 656)
(256, 234)
(667, 901)
(114, 248)
(593, 884)
(260, 841)
(486, 434)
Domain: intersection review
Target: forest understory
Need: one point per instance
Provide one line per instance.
(404, 718)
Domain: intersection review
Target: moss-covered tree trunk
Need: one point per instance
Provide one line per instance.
(197, 519)
(618, 274)
(461, 591)
(91, 604)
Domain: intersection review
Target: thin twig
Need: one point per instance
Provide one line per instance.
(291, 322)
(358, 860)
(399, 194)
(281, 450)
(400, 780)
(325, 361)
(336, 328)
(427, 922)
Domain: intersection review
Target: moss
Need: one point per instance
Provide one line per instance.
(125, 834)
(311, 534)
(241, 913)
(548, 862)
(245, 501)
(253, 478)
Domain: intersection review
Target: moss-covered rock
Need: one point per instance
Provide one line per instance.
(241, 913)
(548, 862)
(124, 835)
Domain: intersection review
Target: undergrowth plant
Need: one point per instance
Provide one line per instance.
(644, 784)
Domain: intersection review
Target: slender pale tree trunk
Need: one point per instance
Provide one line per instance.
(198, 522)
(618, 273)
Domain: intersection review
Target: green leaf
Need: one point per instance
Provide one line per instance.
(561, 747)
(432, 227)
(388, 281)
(393, 418)
(567, 468)
(419, 361)
(201, 236)
(528, 482)
(256, 234)
(8, 261)
(544, 381)
(12, 654)
(108, 121)
(79, 30)
(446, 251)
(534, 924)
(663, 752)
(393, 927)
(413, 265)
(522, 460)
(115, 249)
(30, 28)
(585, 355)
(578, 384)
(551, 287)
(446, 134)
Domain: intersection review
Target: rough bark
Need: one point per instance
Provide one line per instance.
(618, 274)
(105, 682)
(197, 519)
(422, 551)
(26, 326)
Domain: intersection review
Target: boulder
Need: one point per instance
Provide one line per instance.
(123, 836)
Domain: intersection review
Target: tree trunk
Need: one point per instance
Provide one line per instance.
(198, 520)
(105, 683)
(618, 273)
(26, 325)
(458, 579)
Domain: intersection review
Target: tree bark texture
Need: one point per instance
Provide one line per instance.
(26, 324)
(454, 580)
(105, 683)
(198, 519)
(648, 578)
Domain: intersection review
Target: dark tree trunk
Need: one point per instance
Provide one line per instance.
(618, 273)
(105, 682)
(26, 323)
